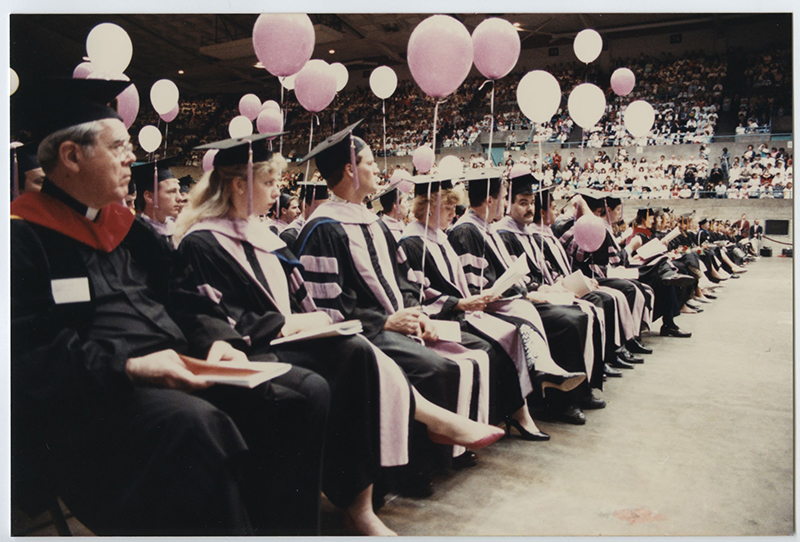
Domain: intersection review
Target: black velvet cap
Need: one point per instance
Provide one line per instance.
(310, 191)
(335, 152)
(423, 182)
(643, 212)
(52, 105)
(235, 151)
(478, 181)
(142, 173)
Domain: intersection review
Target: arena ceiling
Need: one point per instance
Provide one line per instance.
(216, 55)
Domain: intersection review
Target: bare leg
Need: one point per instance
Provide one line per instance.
(361, 517)
(460, 429)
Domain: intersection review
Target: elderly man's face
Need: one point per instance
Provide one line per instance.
(106, 168)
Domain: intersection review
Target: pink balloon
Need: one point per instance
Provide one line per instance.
(269, 121)
(170, 115)
(622, 81)
(270, 104)
(496, 46)
(208, 159)
(590, 232)
(439, 55)
(315, 86)
(283, 42)
(82, 70)
(423, 159)
(128, 105)
(249, 106)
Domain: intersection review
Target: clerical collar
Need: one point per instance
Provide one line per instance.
(49, 188)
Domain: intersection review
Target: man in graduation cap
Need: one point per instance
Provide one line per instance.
(634, 299)
(312, 195)
(158, 195)
(393, 205)
(106, 413)
(484, 257)
(353, 269)
(27, 174)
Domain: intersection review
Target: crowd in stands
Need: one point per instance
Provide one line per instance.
(688, 93)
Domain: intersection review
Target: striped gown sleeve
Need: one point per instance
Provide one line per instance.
(435, 304)
(469, 245)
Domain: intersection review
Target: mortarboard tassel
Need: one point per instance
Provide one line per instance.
(155, 185)
(15, 176)
(353, 161)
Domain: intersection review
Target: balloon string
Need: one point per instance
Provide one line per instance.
(15, 176)
(425, 245)
(310, 140)
(491, 127)
(166, 135)
(283, 116)
(385, 167)
(249, 179)
(486, 228)
(435, 122)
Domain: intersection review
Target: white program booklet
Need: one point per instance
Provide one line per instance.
(244, 374)
(652, 248)
(516, 272)
(577, 283)
(350, 327)
(622, 273)
(448, 330)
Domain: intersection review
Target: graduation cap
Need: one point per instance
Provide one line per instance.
(187, 181)
(337, 151)
(147, 175)
(644, 212)
(23, 159)
(242, 151)
(702, 221)
(54, 104)
(311, 191)
(522, 182)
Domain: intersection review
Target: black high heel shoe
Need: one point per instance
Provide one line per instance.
(524, 434)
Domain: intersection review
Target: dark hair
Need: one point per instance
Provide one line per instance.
(477, 190)
(332, 161)
(541, 201)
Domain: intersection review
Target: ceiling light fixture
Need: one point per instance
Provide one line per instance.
(331, 51)
(180, 72)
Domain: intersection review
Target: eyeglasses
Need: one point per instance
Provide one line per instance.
(121, 148)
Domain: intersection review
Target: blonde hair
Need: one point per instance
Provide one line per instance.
(419, 206)
(212, 196)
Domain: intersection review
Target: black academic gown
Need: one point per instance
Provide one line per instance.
(246, 269)
(354, 271)
(566, 333)
(442, 293)
(130, 459)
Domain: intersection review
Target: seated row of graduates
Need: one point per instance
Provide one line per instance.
(345, 264)
(90, 365)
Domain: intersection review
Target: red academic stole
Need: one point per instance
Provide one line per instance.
(105, 234)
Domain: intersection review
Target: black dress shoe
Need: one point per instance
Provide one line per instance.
(674, 332)
(693, 307)
(619, 363)
(570, 414)
(465, 460)
(710, 296)
(524, 434)
(609, 371)
(636, 347)
(734, 276)
(418, 486)
(590, 402)
(677, 279)
(627, 357)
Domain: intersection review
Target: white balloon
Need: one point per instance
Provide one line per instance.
(539, 95)
(164, 96)
(383, 82)
(14, 81)
(586, 105)
(250, 106)
(149, 138)
(587, 45)
(270, 104)
(450, 167)
(82, 70)
(639, 118)
(342, 75)
(240, 126)
(109, 48)
(288, 82)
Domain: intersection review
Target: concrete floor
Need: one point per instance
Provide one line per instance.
(697, 441)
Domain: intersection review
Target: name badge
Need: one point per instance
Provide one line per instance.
(75, 290)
